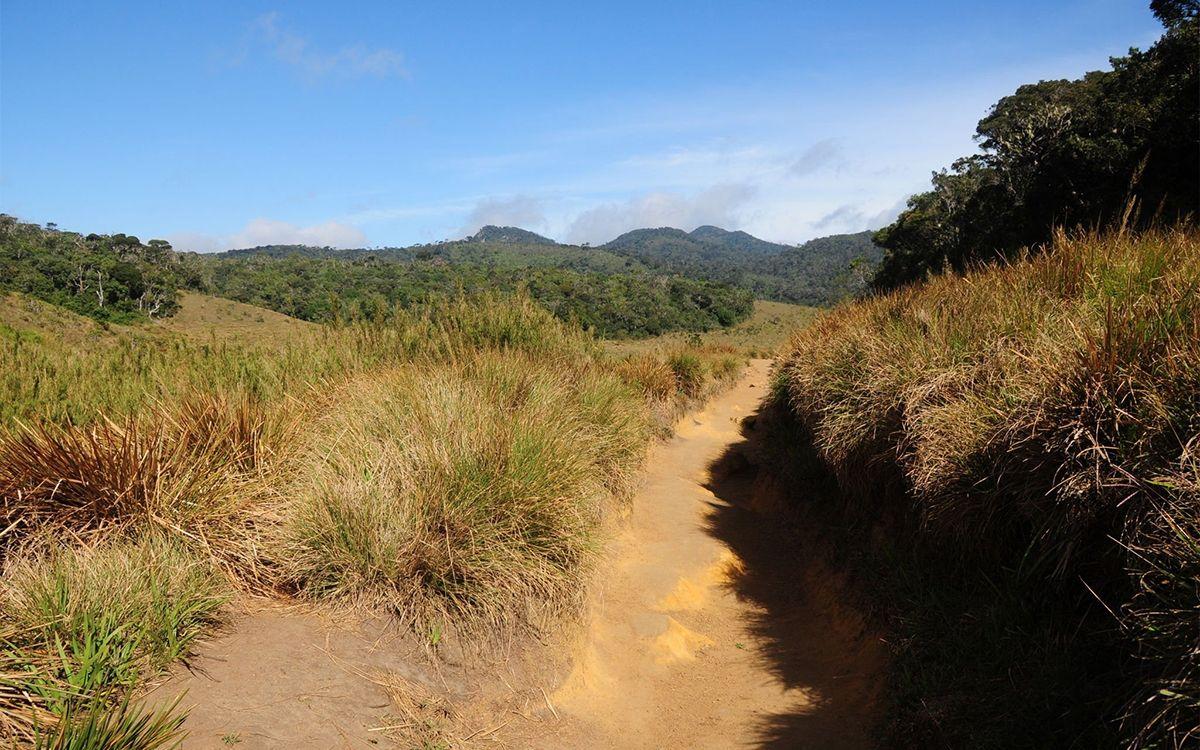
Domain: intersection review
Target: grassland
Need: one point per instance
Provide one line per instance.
(452, 462)
(204, 318)
(1015, 452)
(763, 334)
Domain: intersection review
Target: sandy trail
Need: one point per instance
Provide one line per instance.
(710, 626)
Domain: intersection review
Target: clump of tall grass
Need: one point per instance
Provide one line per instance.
(1041, 417)
(197, 468)
(125, 725)
(674, 380)
(80, 623)
(470, 491)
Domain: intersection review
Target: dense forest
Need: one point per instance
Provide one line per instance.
(643, 283)
(633, 303)
(1065, 154)
(819, 272)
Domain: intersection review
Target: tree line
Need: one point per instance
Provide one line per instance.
(118, 278)
(111, 277)
(1065, 153)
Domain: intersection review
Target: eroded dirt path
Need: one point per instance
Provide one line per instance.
(714, 627)
(711, 626)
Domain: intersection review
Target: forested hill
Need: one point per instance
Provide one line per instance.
(706, 241)
(119, 278)
(515, 235)
(819, 272)
(644, 283)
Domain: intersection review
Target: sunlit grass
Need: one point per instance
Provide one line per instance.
(452, 463)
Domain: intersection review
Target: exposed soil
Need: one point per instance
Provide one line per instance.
(712, 625)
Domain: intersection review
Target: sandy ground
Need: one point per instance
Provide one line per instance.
(711, 626)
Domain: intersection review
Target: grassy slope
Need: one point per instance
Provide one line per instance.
(202, 317)
(1020, 447)
(770, 326)
(30, 316)
(454, 463)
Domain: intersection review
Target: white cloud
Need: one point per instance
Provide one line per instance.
(855, 218)
(195, 241)
(823, 153)
(295, 50)
(522, 211)
(271, 232)
(720, 205)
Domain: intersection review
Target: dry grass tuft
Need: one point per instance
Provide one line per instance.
(470, 492)
(197, 469)
(676, 379)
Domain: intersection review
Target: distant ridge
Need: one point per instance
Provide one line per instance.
(819, 272)
(737, 239)
(511, 235)
(822, 271)
(705, 241)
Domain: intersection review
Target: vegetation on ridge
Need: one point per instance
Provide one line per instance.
(117, 278)
(819, 272)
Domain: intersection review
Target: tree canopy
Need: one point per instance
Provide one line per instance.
(1065, 153)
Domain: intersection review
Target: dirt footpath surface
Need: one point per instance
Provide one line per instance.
(711, 626)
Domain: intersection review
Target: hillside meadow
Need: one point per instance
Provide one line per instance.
(1015, 465)
(453, 462)
(768, 329)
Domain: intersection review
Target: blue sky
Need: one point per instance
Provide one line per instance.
(224, 124)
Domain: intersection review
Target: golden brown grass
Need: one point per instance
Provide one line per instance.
(197, 469)
(674, 380)
(1045, 414)
(211, 319)
(453, 463)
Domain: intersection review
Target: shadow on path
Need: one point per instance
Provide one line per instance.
(810, 640)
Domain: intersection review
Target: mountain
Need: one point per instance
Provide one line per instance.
(706, 241)
(737, 240)
(512, 235)
(819, 272)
